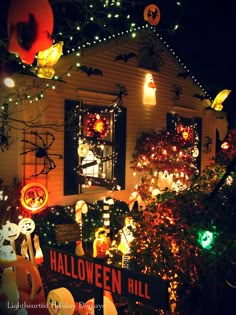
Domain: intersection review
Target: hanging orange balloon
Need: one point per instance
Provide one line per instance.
(152, 14)
(30, 26)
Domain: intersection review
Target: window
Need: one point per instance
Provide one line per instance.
(94, 147)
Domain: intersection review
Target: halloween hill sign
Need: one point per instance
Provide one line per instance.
(146, 289)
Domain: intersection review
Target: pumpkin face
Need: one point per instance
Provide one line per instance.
(30, 26)
(151, 14)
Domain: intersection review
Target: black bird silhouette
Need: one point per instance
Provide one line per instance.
(201, 96)
(184, 74)
(90, 71)
(125, 57)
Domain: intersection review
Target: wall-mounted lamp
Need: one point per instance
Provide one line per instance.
(149, 90)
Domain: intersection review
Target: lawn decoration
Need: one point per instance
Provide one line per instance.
(11, 232)
(60, 302)
(80, 207)
(38, 258)
(34, 197)
(26, 227)
(41, 151)
(101, 243)
(30, 26)
(149, 90)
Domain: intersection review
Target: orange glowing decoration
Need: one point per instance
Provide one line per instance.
(225, 145)
(34, 197)
(152, 14)
(30, 26)
(219, 99)
(98, 125)
(149, 90)
(47, 59)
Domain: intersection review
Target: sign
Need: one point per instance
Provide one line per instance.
(146, 289)
(68, 232)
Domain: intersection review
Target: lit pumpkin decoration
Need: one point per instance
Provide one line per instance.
(34, 197)
(225, 145)
(151, 14)
(30, 26)
(47, 59)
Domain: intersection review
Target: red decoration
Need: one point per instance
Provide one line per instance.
(30, 26)
(97, 126)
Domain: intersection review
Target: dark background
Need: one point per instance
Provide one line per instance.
(204, 40)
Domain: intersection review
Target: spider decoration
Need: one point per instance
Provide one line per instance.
(41, 152)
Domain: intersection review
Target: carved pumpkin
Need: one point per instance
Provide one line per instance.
(30, 26)
(152, 14)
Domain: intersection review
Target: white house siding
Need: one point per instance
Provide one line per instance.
(101, 91)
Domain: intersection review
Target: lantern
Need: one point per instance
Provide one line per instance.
(47, 59)
(219, 99)
(30, 26)
(151, 14)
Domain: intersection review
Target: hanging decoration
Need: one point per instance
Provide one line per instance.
(97, 126)
(152, 14)
(219, 99)
(34, 197)
(149, 90)
(47, 59)
(30, 26)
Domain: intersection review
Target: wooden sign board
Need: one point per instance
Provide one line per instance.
(68, 232)
(127, 283)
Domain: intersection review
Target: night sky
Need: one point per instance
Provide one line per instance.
(204, 40)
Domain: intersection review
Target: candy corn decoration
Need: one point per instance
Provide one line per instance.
(38, 251)
(80, 207)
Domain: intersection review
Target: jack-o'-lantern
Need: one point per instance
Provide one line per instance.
(30, 26)
(151, 14)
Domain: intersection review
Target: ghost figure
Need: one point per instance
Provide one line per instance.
(26, 226)
(149, 90)
(165, 180)
(178, 186)
(1, 237)
(90, 170)
(10, 231)
(7, 253)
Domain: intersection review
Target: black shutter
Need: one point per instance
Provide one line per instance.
(70, 149)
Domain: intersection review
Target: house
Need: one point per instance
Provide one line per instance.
(85, 124)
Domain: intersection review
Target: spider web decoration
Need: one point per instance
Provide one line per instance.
(40, 148)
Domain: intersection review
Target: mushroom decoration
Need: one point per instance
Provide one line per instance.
(151, 14)
(30, 26)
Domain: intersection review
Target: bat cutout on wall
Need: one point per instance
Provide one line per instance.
(90, 71)
(125, 57)
(183, 75)
(201, 97)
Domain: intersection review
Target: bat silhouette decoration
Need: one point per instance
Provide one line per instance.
(153, 14)
(125, 57)
(183, 75)
(201, 96)
(90, 71)
(219, 99)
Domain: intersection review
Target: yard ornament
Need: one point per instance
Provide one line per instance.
(219, 99)
(60, 302)
(10, 232)
(149, 90)
(30, 26)
(101, 243)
